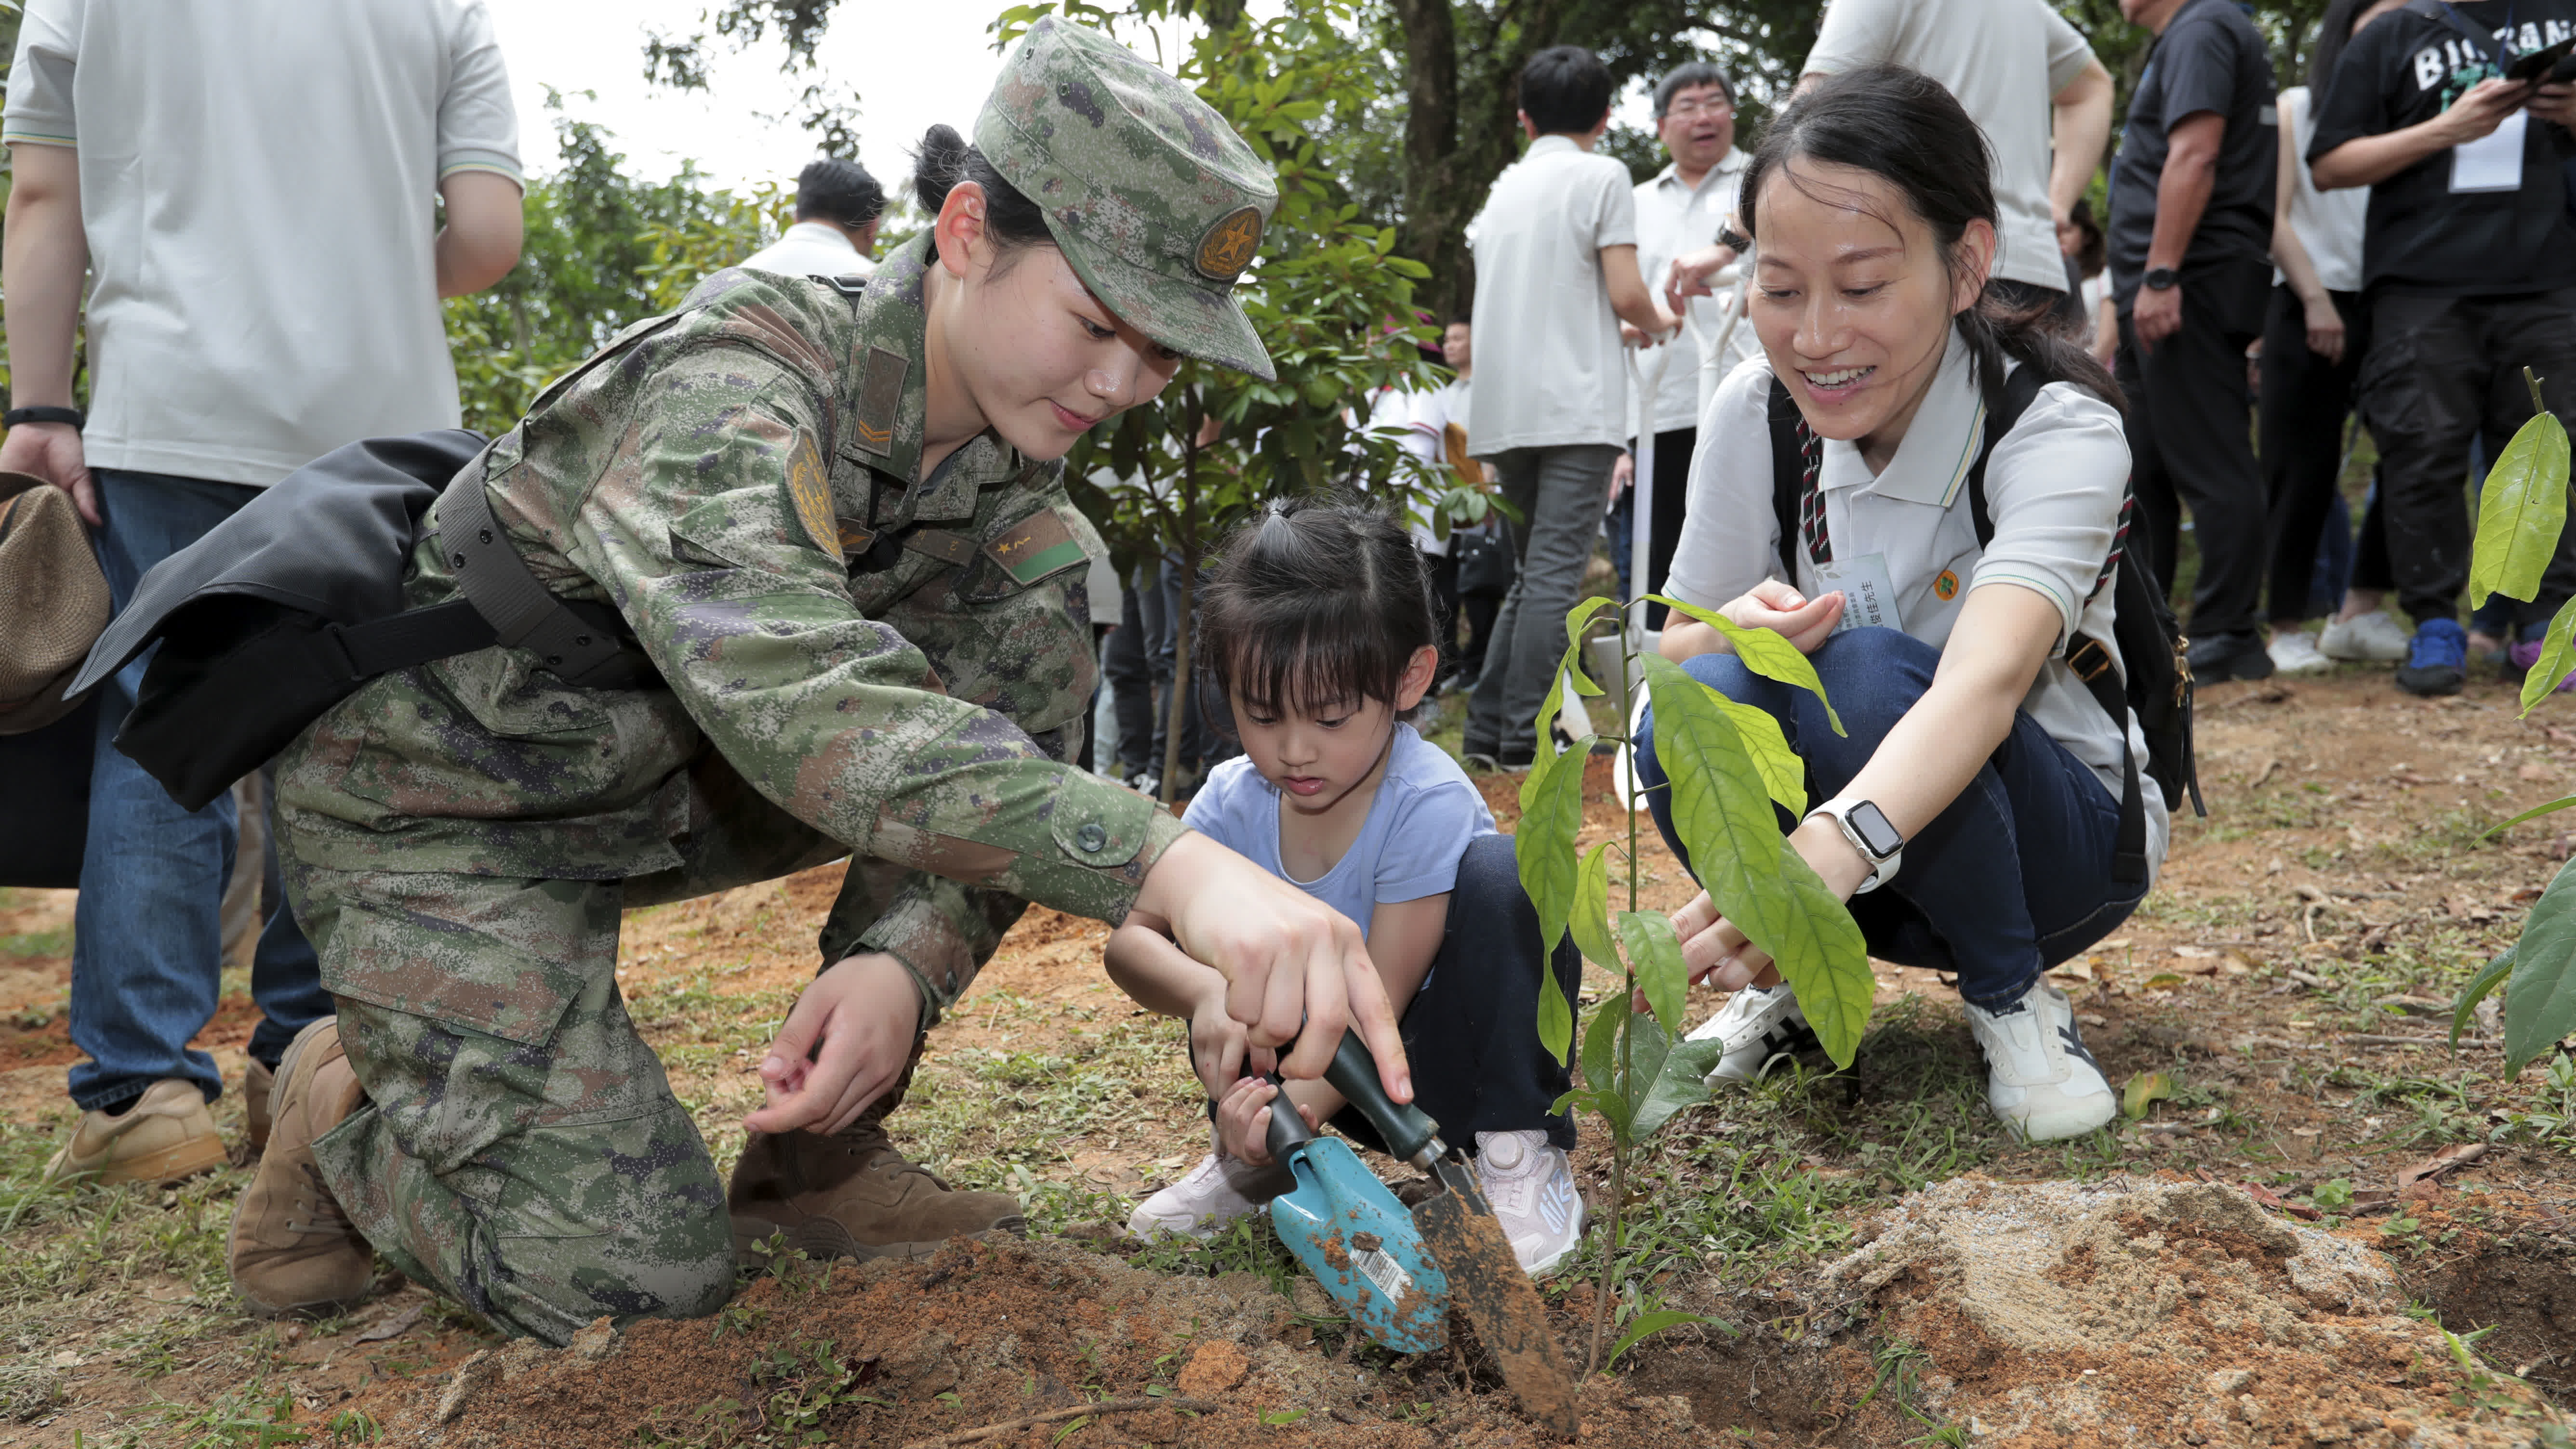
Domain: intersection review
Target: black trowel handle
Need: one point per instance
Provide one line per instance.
(1288, 1129)
(1409, 1132)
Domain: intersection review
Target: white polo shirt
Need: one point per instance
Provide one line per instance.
(2328, 223)
(1549, 367)
(1672, 219)
(811, 249)
(259, 186)
(2054, 486)
(2005, 60)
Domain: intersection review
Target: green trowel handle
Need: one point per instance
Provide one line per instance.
(1288, 1129)
(1408, 1130)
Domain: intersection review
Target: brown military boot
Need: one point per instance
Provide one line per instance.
(292, 1249)
(852, 1195)
(165, 1135)
(258, 1083)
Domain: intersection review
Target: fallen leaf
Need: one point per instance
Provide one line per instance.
(2079, 969)
(2535, 773)
(391, 1326)
(2163, 981)
(2273, 1200)
(2195, 952)
(2232, 964)
(2440, 1162)
(2144, 1090)
(65, 1359)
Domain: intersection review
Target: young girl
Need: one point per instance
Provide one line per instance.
(1978, 796)
(1318, 626)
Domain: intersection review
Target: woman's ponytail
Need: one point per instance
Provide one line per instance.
(945, 158)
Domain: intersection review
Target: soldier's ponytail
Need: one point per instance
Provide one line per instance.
(943, 159)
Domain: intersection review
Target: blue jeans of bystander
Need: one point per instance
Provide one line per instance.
(2013, 878)
(147, 948)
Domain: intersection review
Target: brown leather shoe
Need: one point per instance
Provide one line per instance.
(852, 1195)
(292, 1249)
(166, 1135)
(257, 1084)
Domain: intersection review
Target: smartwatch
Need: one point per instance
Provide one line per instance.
(2160, 279)
(1868, 829)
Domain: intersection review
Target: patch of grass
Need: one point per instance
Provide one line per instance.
(56, 942)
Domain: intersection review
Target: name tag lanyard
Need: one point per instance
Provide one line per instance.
(1869, 591)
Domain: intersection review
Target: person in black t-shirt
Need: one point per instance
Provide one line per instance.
(2191, 234)
(2468, 277)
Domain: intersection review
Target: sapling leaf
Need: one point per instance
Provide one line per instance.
(1555, 1020)
(2557, 658)
(1680, 1081)
(1568, 667)
(1655, 953)
(1543, 843)
(1601, 1043)
(1783, 773)
(1648, 1044)
(1591, 919)
(1764, 652)
(2534, 813)
(1579, 616)
(2540, 999)
(1645, 1324)
(2521, 510)
(1724, 814)
(2478, 990)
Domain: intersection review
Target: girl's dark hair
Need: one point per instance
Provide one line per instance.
(1910, 132)
(2334, 30)
(944, 159)
(1315, 604)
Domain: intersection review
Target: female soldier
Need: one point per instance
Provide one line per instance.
(833, 518)
(1981, 783)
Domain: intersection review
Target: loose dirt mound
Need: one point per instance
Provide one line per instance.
(2155, 1313)
(893, 1353)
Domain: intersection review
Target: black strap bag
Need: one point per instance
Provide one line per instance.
(2150, 643)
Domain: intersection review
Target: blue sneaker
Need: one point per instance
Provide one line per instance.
(2436, 660)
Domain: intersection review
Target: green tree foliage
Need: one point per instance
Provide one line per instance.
(603, 249)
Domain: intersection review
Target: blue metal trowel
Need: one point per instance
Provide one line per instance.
(1356, 1238)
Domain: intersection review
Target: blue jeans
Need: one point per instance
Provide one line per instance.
(2013, 878)
(147, 941)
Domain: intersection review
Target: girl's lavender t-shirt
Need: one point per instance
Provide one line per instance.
(1424, 813)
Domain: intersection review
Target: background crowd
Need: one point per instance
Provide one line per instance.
(2298, 285)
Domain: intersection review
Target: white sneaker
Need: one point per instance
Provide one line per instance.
(1531, 1185)
(1208, 1196)
(2039, 1078)
(2297, 654)
(1762, 1027)
(2373, 637)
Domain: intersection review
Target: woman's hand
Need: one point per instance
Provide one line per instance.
(1716, 952)
(2325, 328)
(1784, 611)
(1296, 969)
(844, 1043)
(1243, 1120)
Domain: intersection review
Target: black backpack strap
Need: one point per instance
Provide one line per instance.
(1787, 473)
(2086, 655)
(581, 646)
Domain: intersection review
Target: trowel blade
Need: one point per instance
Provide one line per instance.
(1487, 1283)
(1363, 1248)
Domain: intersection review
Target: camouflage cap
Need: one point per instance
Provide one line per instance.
(1153, 198)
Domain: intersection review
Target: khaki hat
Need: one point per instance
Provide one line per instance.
(53, 601)
(1152, 197)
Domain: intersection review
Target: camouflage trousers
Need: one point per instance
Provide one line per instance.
(520, 1149)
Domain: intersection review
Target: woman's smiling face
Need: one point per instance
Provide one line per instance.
(1852, 297)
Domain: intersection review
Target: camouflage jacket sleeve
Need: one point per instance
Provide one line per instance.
(692, 528)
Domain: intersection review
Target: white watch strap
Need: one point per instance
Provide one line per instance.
(1881, 872)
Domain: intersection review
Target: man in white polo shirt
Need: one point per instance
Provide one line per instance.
(251, 187)
(838, 208)
(1681, 209)
(1556, 273)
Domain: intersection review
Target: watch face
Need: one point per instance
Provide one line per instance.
(1875, 830)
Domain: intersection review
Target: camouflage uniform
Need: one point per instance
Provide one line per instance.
(856, 658)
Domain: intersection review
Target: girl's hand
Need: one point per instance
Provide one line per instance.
(1780, 608)
(1221, 1048)
(1243, 1120)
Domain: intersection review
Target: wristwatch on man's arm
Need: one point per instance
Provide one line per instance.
(1869, 831)
(2160, 279)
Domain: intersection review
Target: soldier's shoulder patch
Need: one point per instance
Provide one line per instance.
(809, 493)
(880, 400)
(1037, 546)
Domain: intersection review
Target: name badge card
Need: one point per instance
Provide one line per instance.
(2493, 162)
(1869, 593)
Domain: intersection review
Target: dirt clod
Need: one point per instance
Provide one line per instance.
(1213, 1368)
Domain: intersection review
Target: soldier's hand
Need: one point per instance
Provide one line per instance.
(1296, 970)
(845, 1042)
